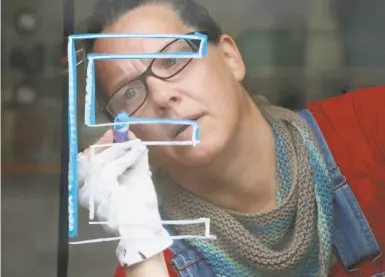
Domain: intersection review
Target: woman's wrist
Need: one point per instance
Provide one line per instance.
(137, 249)
(153, 266)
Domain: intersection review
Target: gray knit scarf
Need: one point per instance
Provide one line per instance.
(292, 240)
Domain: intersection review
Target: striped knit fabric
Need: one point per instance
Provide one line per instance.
(274, 235)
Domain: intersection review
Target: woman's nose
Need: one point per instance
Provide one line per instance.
(162, 94)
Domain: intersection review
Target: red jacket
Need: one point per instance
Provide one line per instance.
(354, 127)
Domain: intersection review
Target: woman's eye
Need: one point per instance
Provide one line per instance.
(170, 62)
(131, 93)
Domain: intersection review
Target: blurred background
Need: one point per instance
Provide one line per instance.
(295, 51)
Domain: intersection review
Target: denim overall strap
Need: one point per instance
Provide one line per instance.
(352, 235)
(186, 261)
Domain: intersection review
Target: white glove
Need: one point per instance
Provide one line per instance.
(119, 179)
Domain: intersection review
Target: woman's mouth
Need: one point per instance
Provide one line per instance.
(184, 132)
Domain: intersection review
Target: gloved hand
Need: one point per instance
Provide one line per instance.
(119, 179)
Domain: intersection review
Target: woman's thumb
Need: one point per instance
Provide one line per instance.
(131, 136)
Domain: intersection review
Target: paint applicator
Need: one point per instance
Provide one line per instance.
(121, 128)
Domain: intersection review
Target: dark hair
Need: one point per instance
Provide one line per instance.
(106, 12)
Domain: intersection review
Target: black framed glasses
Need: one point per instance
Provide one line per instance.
(132, 96)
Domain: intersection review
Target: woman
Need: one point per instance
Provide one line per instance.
(278, 203)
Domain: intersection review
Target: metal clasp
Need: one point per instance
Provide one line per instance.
(343, 176)
(179, 268)
(376, 262)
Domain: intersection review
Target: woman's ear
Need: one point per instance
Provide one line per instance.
(232, 57)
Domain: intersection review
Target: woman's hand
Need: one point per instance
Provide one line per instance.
(118, 178)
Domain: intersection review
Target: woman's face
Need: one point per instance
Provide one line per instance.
(207, 90)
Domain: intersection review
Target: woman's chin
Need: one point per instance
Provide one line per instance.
(199, 155)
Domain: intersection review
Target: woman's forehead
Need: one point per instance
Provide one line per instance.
(143, 20)
(130, 45)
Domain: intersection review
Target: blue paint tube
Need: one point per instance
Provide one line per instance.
(121, 130)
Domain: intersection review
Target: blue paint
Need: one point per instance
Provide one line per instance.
(128, 35)
(148, 56)
(73, 150)
(92, 107)
(121, 130)
(203, 47)
(196, 131)
(72, 114)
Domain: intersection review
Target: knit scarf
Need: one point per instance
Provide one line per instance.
(292, 240)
